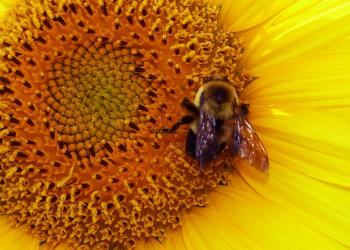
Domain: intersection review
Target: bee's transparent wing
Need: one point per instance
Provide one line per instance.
(207, 145)
(236, 133)
(247, 144)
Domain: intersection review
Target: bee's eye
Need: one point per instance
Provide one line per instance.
(219, 95)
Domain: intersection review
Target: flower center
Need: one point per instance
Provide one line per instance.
(96, 99)
(83, 87)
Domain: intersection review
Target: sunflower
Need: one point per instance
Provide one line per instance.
(102, 178)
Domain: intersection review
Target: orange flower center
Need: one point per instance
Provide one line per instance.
(84, 85)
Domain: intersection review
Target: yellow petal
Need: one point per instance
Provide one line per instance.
(267, 222)
(15, 238)
(342, 112)
(301, 32)
(302, 57)
(315, 206)
(5, 5)
(320, 80)
(312, 142)
(244, 14)
(208, 228)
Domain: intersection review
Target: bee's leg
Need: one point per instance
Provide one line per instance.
(184, 120)
(191, 143)
(190, 106)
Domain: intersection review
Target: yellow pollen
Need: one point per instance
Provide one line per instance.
(83, 87)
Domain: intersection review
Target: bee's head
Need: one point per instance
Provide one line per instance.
(219, 94)
(216, 92)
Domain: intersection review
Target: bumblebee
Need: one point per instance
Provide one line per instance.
(218, 120)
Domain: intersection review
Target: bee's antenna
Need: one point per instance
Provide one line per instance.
(207, 79)
(215, 77)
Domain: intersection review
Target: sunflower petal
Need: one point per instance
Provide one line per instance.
(307, 141)
(291, 64)
(315, 71)
(268, 222)
(291, 36)
(15, 238)
(316, 206)
(5, 6)
(201, 230)
(317, 81)
(244, 14)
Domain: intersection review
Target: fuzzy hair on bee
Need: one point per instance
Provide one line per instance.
(218, 120)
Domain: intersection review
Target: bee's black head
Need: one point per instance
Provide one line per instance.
(216, 94)
(219, 94)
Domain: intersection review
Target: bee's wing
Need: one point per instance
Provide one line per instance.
(207, 145)
(247, 144)
(237, 131)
